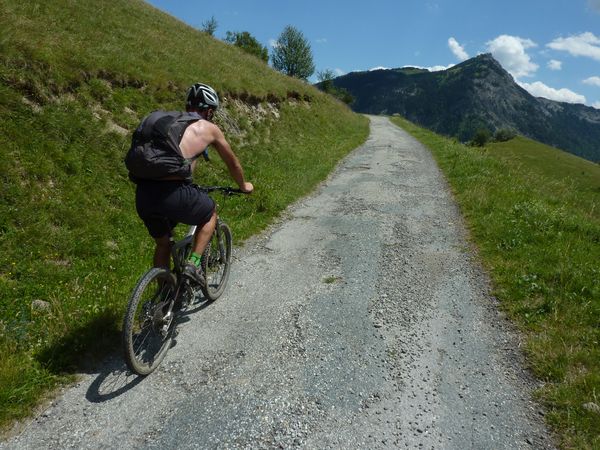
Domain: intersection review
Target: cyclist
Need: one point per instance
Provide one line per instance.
(163, 203)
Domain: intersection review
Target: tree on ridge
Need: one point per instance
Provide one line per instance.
(292, 54)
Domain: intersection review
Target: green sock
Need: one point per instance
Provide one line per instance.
(195, 259)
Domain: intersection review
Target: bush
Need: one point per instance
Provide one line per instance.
(325, 84)
(248, 43)
(481, 137)
(504, 134)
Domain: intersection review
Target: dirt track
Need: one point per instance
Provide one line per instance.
(359, 321)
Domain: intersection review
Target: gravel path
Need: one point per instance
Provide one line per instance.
(359, 321)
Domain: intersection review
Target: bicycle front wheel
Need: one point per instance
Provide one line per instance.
(147, 326)
(217, 262)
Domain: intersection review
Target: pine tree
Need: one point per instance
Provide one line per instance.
(292, 54)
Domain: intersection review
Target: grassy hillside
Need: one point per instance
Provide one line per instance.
(534, 214)
(75, 79)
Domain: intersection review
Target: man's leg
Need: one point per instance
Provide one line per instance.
(202, 239)
(204, 233)
(198, 208)
(162, 252)
(162, 259)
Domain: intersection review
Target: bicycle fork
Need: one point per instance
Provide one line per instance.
(163, 319)
(221, 244)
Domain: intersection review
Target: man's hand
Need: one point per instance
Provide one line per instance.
(247, 187)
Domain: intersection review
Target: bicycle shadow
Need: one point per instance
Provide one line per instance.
(115, 379)
(198, 305)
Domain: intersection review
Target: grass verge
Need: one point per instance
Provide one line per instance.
(75, 80)
(533, 212)
(73, 245)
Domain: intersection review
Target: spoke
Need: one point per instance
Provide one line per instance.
(145, 344)
(141, 344)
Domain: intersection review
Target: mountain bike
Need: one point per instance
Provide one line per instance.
(161, 294)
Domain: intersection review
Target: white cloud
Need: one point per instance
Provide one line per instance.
(438, 68)
(510, 52)
(539, 89)
(339, 72)
(273, 43)
(432, 68)
(553, 64)
(584, 44)
(596, 105)
(594, 4)
(593, 81)
(321, 41)
(457, 49)
(433, 8)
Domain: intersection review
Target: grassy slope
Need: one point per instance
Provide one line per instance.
(533, 212)
(75, 78)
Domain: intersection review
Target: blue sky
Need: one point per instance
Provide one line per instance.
(551, 47)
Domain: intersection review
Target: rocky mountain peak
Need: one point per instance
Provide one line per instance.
(483, 66)
(477, 93)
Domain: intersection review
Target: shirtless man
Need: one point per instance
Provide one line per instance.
(177, 199)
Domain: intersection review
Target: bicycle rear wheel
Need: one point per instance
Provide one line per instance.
(147, 331)
(217, 261)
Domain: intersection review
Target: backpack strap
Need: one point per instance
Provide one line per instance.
(145, 131)
(165, 126)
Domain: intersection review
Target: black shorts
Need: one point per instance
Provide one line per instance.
(164, 204)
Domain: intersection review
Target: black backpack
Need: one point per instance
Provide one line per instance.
(155, 152)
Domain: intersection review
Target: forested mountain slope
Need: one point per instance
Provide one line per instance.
(475, 94)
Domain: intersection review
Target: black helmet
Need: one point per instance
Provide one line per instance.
(202, 96)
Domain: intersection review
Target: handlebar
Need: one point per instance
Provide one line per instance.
(226, 190)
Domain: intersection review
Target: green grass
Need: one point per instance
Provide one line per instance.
(75, 79)
(331, 279)
(534, 213)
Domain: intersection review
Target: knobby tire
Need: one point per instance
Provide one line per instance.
(145, 338)
(216, 262)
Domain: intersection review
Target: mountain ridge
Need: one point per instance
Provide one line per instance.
(477, 93)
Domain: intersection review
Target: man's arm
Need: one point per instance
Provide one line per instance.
(202, 133)
(233, 165)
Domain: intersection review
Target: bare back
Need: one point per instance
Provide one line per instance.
(196, 138)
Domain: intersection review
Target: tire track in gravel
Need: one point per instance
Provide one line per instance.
(361, 320)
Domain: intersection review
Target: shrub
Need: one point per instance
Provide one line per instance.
(210, 26)
(326, 84)
(481, 137)
(504, 134)
(248, 43)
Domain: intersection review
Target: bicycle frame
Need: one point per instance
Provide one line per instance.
(177, 249)
(177, 253)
